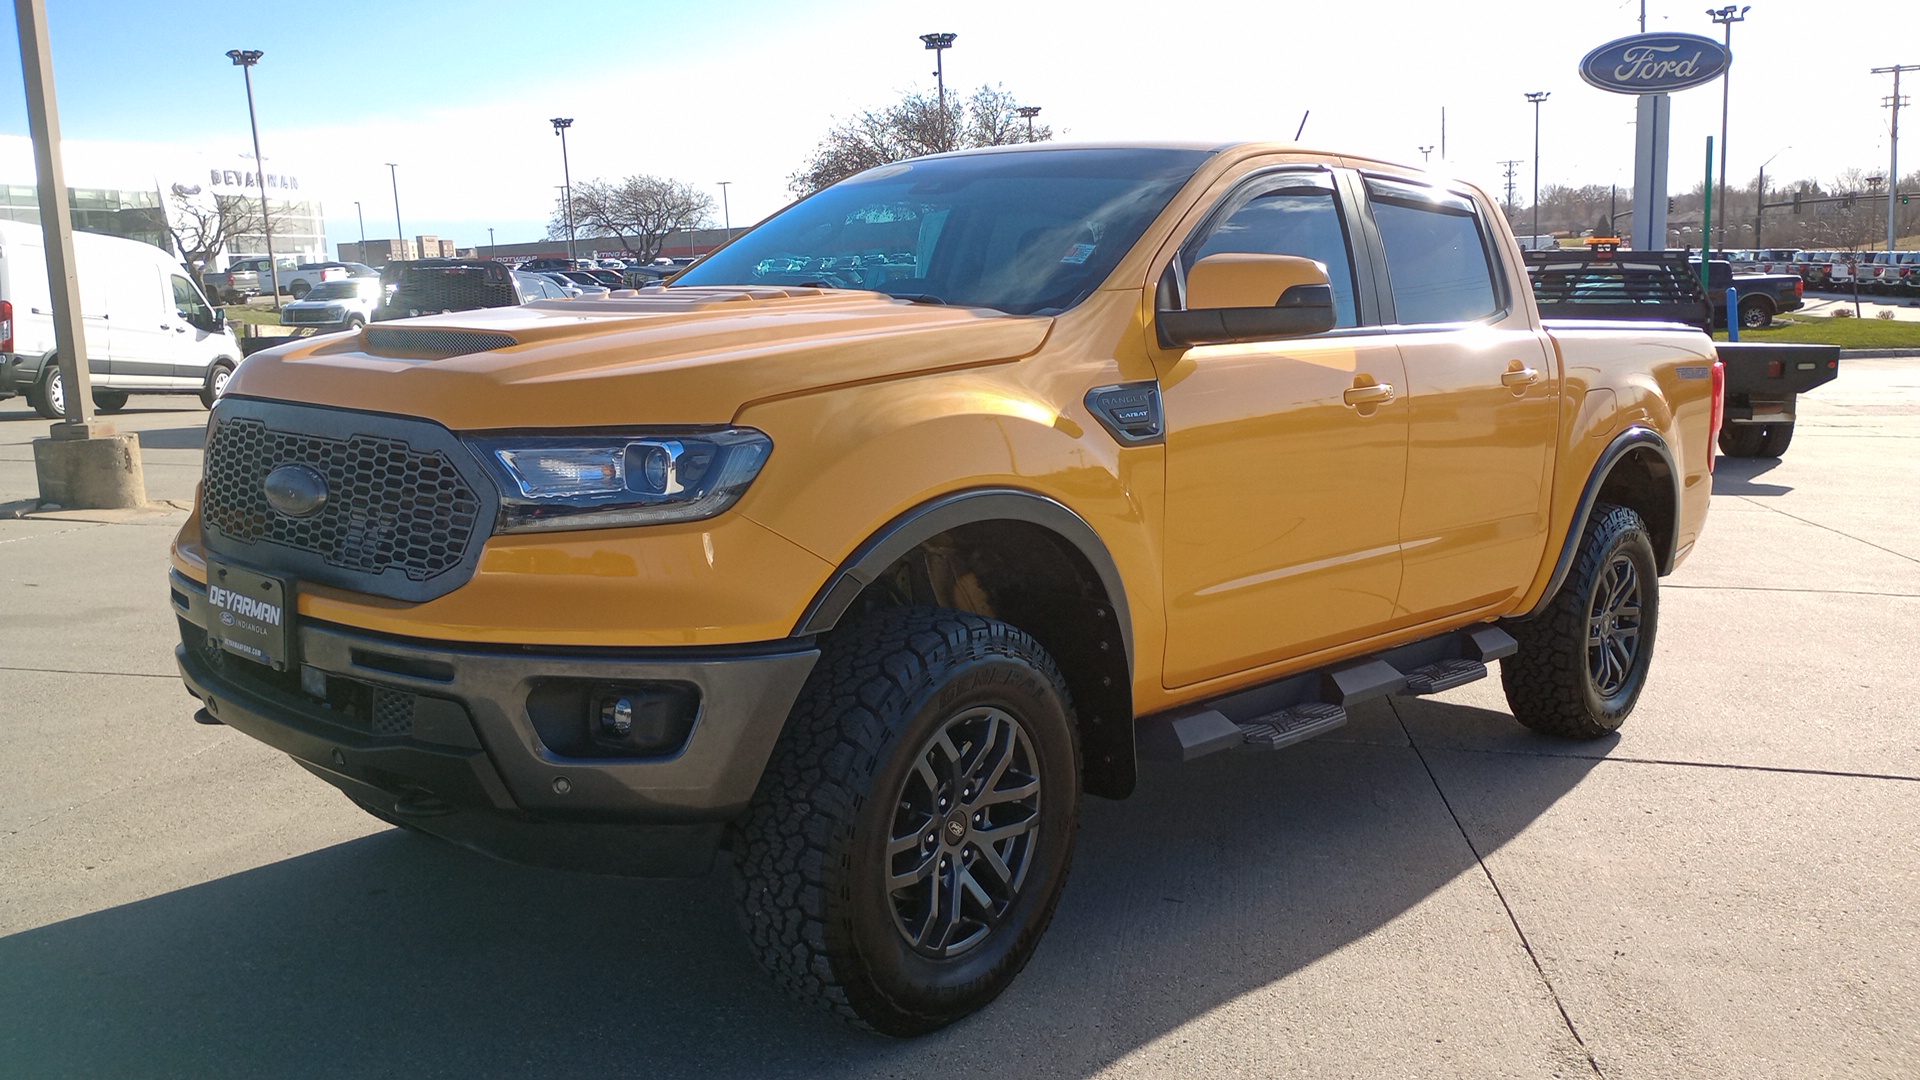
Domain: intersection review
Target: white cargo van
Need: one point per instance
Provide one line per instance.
(148, 328)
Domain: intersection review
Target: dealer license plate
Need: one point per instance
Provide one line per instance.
(252, 613)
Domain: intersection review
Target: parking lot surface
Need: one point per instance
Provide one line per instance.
(1724, 889)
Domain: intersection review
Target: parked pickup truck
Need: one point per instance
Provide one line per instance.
(938, 499)
(1763, 382)
(1760, 296)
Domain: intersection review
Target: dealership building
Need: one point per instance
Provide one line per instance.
(122, 189)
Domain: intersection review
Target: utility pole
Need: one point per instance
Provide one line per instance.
(1726, 17)
(244, 59)
(940, 43)
(1511, 165)
(1893, 158)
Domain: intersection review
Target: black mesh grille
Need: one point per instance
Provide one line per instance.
(388, 505)
(425, 342)
(392, 712)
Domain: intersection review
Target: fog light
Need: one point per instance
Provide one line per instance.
(616, 717)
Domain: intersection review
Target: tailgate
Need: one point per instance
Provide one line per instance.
(1773, 371)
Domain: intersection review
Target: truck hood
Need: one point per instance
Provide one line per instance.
(677, 356)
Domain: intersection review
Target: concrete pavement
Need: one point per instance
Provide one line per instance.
(1723, 889)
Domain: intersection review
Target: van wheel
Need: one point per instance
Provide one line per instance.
(217, 377)
(912, 832)
(1583, 661)
(109, 401)
(50, 400)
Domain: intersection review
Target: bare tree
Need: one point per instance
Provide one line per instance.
(202, 225)
(911, 127)
(639, 212)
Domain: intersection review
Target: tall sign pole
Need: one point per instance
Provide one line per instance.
(56, 220)
(1652, 67)
(84, 465)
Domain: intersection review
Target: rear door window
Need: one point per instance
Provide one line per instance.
(1436, 254)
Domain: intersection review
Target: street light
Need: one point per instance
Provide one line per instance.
(940, 43)
(244, 59)
(399, 234)
(1028, 112)
(1760, 197)
(491, 252)
(1426, 154)
(726, 214)
(361, 215)
(560, 126)
(1726, 17)
(1537, 97)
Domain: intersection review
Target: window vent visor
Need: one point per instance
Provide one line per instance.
(428, 343)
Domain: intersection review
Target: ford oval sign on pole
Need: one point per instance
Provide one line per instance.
(1655, 63)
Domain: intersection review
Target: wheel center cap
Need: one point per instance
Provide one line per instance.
(955, 829)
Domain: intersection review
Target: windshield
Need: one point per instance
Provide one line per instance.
(1025, 232)
(337, 290)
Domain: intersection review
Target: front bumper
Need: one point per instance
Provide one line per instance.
(472, 764)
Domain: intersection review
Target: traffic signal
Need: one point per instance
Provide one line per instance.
(1796, 201)
(1669, 205)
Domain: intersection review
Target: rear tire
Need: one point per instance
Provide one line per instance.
(1583, 661)
(917, 723)
(300, 289)
(109, 401)
(1756, 440)
(1755, 314)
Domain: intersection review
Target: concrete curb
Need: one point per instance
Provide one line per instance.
(1875, 354)
(152, 513)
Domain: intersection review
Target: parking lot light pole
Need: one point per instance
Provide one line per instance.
(244, 59)
(726, 214)
(362, 216)
(560, 126)
(490, 244)
(399, 234)
(1028, 112)
(1760, 199)
(940, 43)
(1537, 97)
(1726, 17)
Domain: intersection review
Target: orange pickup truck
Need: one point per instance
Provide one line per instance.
(863, 548)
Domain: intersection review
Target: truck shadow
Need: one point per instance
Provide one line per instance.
(1735, 476)
(181, 438)
(393, 955)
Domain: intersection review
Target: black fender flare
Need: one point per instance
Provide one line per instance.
(931, 518)
(1637, 437)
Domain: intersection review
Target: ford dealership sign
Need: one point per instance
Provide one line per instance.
(1655, 63)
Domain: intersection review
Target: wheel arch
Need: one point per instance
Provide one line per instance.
(1637, 471)
(1023, 557)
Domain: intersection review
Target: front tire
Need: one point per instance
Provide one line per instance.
(217, 377)
(913, 830)
(1583, 661)
(50, 400)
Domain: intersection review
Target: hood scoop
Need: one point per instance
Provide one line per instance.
(432, 343)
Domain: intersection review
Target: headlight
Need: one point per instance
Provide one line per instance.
(601, 481)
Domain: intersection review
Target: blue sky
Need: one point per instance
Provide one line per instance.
(459, 93)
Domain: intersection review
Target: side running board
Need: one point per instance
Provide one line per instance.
(1298, 707)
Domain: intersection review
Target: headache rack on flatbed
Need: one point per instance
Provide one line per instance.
(1604, 283)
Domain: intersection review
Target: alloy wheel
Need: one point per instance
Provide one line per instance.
(1613, 626)
(964, 828)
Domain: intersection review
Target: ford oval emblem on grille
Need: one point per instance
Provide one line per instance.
(296, 490)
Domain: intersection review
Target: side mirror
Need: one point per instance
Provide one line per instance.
(218, 320)
(1235, 297)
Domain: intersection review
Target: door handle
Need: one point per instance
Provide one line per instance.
(1372, 394)
(1519, 376)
